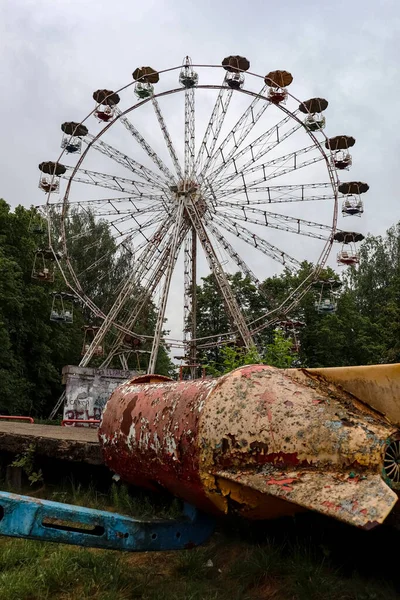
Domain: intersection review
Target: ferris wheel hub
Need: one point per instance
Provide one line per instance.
(185, 187)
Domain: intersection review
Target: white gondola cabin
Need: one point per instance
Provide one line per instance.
(107, 101)
(73, 133)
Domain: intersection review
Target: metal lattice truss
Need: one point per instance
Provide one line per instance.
(163, 197)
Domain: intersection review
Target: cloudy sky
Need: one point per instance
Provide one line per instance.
(55, 54)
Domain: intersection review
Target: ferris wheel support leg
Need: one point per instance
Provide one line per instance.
(218, 272)
(189, 317)
(232, 253)
(147, 291)
(161, 311)
(123, 296)
(193, 349)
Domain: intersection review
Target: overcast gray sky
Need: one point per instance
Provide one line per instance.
(54, 54)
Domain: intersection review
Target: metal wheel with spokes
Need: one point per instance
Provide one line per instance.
(243, 172)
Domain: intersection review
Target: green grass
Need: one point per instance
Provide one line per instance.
(42, 571)
(306, 559)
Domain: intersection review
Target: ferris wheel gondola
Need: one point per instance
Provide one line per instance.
(327, 298)
(163, 206)
(348, 255)
(62, 308)
(44, 264)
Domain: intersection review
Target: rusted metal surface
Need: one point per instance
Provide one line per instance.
(149, 435)
(376, 385)
(256, 442)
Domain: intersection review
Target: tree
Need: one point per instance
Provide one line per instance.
(33, 349)
(375, 286)
(212, 313)
(276, 354)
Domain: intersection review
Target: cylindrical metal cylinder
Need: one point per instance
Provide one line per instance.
(191, 437)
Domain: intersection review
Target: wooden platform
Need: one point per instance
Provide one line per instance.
(77, 444)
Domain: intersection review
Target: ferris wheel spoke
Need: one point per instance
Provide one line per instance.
(120, 219)
(267, 142)
(138, 228)
(112, 182)
(122, 211)
(281, 162)
(146, 147)
(114, 203)
(189, 303)
(127, 162)
(213, 130)
(125, 243)
(148, 285)
(248, 185)
(237, 135)
(218, 272)
(128, 212)
(249, 201)
(165, 292)
(189, 132)
(275, 193)
(258, 148)
(231, 252)
(258, 242)
(279, 221)
(167, 137)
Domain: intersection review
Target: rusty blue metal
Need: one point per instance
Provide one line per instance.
(32, 518)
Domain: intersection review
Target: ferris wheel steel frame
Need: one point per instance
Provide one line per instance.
(188, 234)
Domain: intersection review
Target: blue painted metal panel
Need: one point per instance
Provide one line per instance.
(32, 518)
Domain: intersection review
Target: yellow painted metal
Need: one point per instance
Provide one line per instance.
(275, 442)
(376, 385)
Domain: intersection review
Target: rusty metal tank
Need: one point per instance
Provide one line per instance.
(258, 442)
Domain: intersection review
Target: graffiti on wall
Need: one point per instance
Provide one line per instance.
(87, 390)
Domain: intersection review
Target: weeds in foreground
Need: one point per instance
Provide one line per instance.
(119, 498)
(296, 565)
(26, 461)
(43, 571)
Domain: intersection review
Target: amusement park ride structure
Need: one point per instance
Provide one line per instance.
(219, 197)
(259, 442)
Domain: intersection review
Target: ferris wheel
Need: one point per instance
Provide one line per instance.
(192, 168)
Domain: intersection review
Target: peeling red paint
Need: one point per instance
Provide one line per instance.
(331, 505)
(281, 481)
(259, 430)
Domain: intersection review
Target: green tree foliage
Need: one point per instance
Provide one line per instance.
(375, 291)
(33, 349)
(278, 353)
(212, 315)
(101, 265)
(365, 329)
